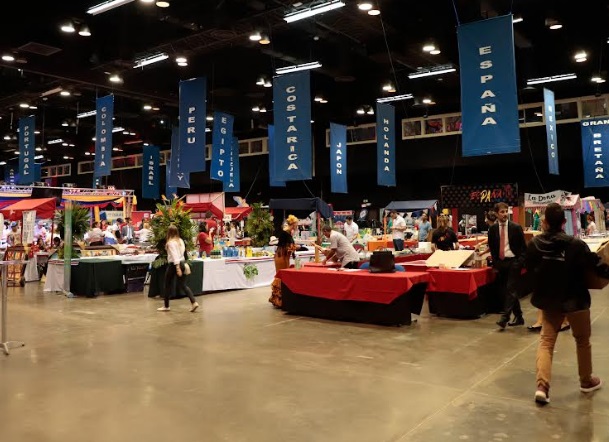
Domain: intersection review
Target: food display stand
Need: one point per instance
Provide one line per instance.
(571, 204)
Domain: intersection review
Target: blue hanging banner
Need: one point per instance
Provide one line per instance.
(293, 141)
(221, 145)
(595, 149)
(96, 181)
(385, 145)
(177, 177)
(550, 114)
(193, 112)
(233, 180)
(338, 158)
(169, 190)
(103, 135)
(151, 172)
(27, 149)
(37, 171)
(489, 98)
(273, 181)
(11, 172)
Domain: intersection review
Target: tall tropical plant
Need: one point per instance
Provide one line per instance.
(80, 221)
(170, 212)
(259, 225)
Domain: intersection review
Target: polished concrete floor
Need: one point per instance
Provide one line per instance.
(114, 369)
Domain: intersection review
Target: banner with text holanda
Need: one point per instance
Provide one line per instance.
(385, 145)
(595, 150)
(151, 172)
(193, 112)
(103, 135)
(338, 158)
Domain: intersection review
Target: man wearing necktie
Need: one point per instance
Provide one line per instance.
(128, 231)
(507, 244)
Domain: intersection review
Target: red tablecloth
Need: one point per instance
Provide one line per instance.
(466, 282)
(382, 288)
(398, 260)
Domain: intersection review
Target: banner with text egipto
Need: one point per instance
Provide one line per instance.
(595, 150)
(273, 181)
(293, 140)
(151, 172)
(103, 135)
(338, 158)
(221, 145)
(233, 179)
(193, 112)
(489, 97)
(177, 177)
(27, 149)
(385, 145)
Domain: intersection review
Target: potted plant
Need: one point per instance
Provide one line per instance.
(170, 212)
(259, 225)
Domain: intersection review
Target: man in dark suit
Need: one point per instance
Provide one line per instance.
(508, 247)
(128, 231)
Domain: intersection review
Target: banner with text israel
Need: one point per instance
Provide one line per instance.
(151, 172)
(221, 145)
(103, 135)
(385, 145)
(293, 139)
(193, 112)
(550, 114)
(489, 98)
(27, 149)
(273, 181)
(595, 150)
(233, 179)
(177, 177)
(338, 158)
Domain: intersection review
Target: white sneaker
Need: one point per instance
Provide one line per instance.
(195, 305)
(163, 309)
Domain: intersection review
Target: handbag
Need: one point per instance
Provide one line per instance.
(382, 261)
(187, 270)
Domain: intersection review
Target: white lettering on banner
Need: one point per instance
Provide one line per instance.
(386, 147)
(595, 123)
(26, 150)
(191, 120)
(598, 140)
(484, 79)
(339, 157)
(292, 141)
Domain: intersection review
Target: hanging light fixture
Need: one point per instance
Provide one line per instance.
(364, 6)
(68, 27)
(264, 39)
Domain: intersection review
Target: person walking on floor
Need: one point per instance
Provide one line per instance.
(559, 264)
(174, 276)
(507, 244)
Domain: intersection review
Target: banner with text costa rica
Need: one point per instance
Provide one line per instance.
(103, 135)
(489, 97)
(273, 181)
(595, 150)
(193, 112)
(177, 177)
(221, 145)
(338, 158)
(550, 114)
(233, 179)
(151, 172)
(27, 149)
(385, 145)
(293, 139)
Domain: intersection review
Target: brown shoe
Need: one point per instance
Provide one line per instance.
(592, 385)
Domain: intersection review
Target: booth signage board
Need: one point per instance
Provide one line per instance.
(482, 195)
(544, 198)
(29, 221)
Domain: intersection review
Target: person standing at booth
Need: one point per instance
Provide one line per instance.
(398, 226)
(341, 250)
(284, 251)
(351, 229)
(424, 228)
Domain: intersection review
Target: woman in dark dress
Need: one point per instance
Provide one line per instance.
(285, 249)
(444, 238)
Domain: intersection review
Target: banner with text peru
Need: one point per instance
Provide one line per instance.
(550, 113)
(27, 150)
(232, 183)
(177, 176)
(193, 112)
(338, 158)
(151, 172)
(385, 145)
(103, 135)
(489, 98)
(595, 150)
(221, 145)
(293, 140)
(273, 181)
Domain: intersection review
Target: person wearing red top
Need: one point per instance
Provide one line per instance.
(212, 226)
(205, 240)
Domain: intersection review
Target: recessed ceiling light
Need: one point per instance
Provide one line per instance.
(361, 111)
(147, 107)
(435, 52)
(428, 47)
(65, 93)
(24, 105)
(365, 6)
(183, 64)
(181, 60)
(374, 12)
(115, 78)
(8, 57)
(268, 84)
(256, 36)
(162, 4)
(84, 31)
(209, 118)
(264, 40)
(426, 100)
(68, 27)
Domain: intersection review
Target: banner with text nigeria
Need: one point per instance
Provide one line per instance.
(273, 181)
(489, 98)
(193, 96)
(103, 135)
(177, 177)
(151, 172)
(293, 140)
(550, 113)
(595, 150)
(221, 145)
(232, 183)
(385, 145)
(338, 158)
(27, 149)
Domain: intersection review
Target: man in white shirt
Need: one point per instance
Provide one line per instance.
(351, 229)
(398, 227)
(341, 249)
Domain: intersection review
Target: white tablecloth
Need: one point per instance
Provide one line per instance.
(31, 270)
(54, 279)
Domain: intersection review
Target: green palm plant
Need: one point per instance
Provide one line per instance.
(170, 212)
(80, 221)
(259, 225)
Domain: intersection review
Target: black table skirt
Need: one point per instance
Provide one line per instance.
(458, 305)
(396, 313)
(194, 281)
(92, 277)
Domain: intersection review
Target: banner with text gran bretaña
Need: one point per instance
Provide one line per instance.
(177, 177)
(385, 145)
(221, 145)
(489, 97)
(193, 114)
(338, 158)
(293, 140)
(27, 149)
(151, 172)
(233, 179)
(273, 181)
(549, 110)
(103, 135)
(595, 150)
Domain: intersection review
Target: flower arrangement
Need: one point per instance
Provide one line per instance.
(259, 225)
(170, 212)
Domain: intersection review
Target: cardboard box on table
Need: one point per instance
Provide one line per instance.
(451, 259)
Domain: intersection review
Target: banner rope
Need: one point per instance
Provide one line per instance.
(456, 13)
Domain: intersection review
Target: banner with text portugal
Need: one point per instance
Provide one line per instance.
(103, 135)
(27, 151)
(293, 141)
(595, 150)
(338, 158)
(489, 98)
(385, 145)
(193, 95)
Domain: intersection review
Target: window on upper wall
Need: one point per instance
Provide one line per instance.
(244, 148)
(594, 108)
(411, 128)
(361, 134)
(256, 146)
(566, 111)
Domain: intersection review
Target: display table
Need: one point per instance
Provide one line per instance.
(400, 259)
(194, 281)
(385, 298)
(230, 274)
(472, 242)
(94, 276)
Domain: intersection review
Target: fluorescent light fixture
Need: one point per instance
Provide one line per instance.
(597, 79)
(541, 80)
(33, 107)
(118, 129)
(313, 10)
(55, 141)
(365, 6)
(151, 59)
(433, 71)
(106, 6)
(51, 91)
(39, 157)
(8, 57)
(86, 114)
(394, 98)
(517, 19)
(298, 67)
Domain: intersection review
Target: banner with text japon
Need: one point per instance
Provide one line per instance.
(489, 95)
(193, 114)
(338, 158)
(595, 150)
(385, 145)
(151, 170)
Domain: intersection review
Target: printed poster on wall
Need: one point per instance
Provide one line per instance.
(385, 145)
(338, 158)
(27, 149)
(29, 222)
(595, 150)
(193, 112)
